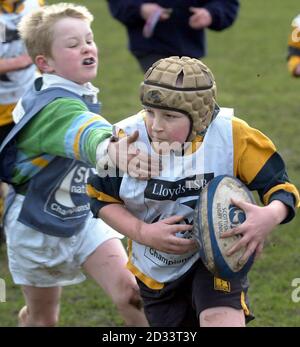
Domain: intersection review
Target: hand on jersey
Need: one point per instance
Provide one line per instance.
(162, 236)
(130, 159)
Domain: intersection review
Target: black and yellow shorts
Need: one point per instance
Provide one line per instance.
(180, 302)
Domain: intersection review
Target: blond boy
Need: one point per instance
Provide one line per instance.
(57, 140)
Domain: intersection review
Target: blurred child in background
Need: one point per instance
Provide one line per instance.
(294, 48)
(17, 71)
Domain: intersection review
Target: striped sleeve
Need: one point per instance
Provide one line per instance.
(103, 191)
(294, 45)
(66, 128)
(261, 168)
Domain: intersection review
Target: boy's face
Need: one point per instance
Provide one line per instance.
(167, 126)
(74, 52)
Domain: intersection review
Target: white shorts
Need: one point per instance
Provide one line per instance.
(41, 260)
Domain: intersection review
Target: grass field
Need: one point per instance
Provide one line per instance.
(249, 63)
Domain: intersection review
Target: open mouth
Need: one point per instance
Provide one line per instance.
(89, 61)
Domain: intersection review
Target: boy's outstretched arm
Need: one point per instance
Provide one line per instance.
(67, 128)
(159, 235)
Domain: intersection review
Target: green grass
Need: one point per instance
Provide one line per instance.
(249, 63)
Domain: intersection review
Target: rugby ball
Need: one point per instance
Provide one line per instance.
(214, 215)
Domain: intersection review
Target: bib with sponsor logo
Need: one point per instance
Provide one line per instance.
(174, 192)
(55, 201)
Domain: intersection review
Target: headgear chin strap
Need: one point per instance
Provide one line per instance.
(184, 85)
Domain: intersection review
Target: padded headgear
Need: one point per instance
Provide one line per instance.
(184, 85)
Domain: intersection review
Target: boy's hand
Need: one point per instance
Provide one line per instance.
(161, 236)
(129, 159)
(148, 10)
(260, 221)
(200, 18)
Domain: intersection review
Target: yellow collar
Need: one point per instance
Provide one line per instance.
(194, 146)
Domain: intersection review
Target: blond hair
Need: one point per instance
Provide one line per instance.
(36, 28)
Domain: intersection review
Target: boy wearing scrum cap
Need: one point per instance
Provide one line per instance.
(196, 141)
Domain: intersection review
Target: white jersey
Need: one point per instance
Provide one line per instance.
(13, 84)
(174, 192)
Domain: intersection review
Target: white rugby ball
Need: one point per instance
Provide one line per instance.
(214, 215)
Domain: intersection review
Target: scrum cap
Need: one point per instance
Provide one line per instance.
(184, 85)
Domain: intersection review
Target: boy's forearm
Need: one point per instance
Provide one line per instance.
(10, 64)
(279, 210)
(96, 145)
(119, 218)
(7, 65)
